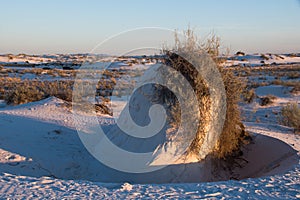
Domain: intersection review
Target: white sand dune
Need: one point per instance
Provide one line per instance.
(40, 150)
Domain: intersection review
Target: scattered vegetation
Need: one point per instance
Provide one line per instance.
(249, 95)
(263, 56)
(29, 91)
(294, 84)
(18, 92)
(240, 53)
(267, 100)
(290, 116)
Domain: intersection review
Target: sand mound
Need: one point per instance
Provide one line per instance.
(37, 147)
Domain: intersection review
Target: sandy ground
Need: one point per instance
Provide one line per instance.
(38, 140)
(42, 156)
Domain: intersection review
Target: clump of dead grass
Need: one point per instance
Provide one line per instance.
(290, 116)
(267, 100)
(29, 91)
(233, 134)
(249, 95)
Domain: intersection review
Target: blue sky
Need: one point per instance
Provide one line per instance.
(70, 26)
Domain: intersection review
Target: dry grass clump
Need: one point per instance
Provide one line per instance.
(263, 56)
(201, 91)
(290, 116)
(233, 133)
(16, 91)
(293, 75)
(249, 95)
(267, 100)
(21, 92)
(35, 71)
(7, 83)
(294, 84)
(24, 93)
(29, 91)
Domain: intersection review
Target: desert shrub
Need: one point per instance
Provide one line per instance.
(293, 75)
(277, 82)
(18, 92)
(279, 56)
(267, 100)
(295, 89)
(59, 89)
(294, 84)
(24, 93)
(290, 116)
(10, 56)
(249, 95)
(240, 53)
(259, 84)
(33, 71)
(233, 133)
(263, 56)
(2, 92)
(6, 83)
(29, 91)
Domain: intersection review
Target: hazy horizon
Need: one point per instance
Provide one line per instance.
(54, 27)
